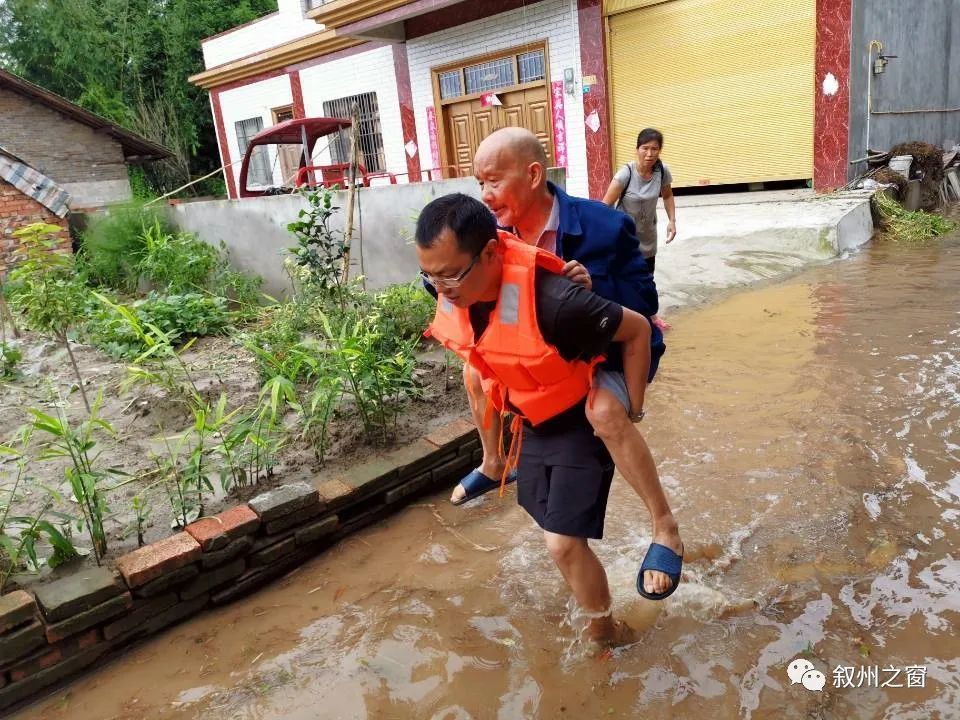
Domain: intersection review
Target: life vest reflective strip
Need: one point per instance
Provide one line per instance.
(521, 372)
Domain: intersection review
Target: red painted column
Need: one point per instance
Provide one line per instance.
(297, 91)
(222, 141)
(408, 121)
(831, 128)
(593, 61)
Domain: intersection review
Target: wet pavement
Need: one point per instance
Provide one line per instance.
(808, 434)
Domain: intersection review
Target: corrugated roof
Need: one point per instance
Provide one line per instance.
(136, 149)
(33, 183)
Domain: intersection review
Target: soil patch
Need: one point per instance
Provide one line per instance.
(142, 416)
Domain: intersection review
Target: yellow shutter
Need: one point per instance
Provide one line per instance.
(730, 85)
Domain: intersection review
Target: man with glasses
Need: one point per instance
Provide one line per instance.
(603, 254)
(535, 338)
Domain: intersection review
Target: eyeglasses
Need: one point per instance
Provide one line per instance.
(450, 282)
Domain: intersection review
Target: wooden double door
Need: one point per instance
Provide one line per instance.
(466, 124)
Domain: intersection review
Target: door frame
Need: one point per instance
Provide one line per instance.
(439, 104)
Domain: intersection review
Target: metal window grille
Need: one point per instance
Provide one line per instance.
(451, 85)
(369, 140)
(258, 172)
(309, 5)
(531, 66)
(489, 75)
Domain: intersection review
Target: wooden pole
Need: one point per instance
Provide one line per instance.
(351, 191)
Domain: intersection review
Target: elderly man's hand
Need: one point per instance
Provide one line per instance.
(578, 274)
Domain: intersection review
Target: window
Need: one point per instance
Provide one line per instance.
(531, 66)
(502, 72)
(309, 5)
(258, 172)
(369, 140)
(489, 75)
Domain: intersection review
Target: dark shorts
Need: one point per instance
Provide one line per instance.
(651, 263)
(565, 475)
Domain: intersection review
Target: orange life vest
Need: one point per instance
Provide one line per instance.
(521, 372)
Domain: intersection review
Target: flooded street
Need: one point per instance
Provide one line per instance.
(808, 435)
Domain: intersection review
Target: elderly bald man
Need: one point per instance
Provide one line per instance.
(603, 254)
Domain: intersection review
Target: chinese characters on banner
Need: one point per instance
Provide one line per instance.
(559, 124)
(432, 130)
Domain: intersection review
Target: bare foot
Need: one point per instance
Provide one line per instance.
(491, 469)
(667, 534)
(606, 633)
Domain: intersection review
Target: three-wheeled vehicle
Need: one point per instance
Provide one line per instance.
(294, 144)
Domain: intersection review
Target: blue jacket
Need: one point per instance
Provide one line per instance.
(604, 240)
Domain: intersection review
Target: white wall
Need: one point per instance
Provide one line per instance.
(254, 100)
(371, 71)
(553, 20)
(283, 26)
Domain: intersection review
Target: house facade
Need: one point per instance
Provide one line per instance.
(751, 91)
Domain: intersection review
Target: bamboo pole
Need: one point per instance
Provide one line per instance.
(351, 191)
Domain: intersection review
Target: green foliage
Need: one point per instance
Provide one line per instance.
(45, 288)
(320, 250)
(180, 317)
(141, 512)
(10, 357)
(402, 313)
(129, 60)
(176, 263)
(114, 244)
(902, 225)
(20, 535)
(85, 477)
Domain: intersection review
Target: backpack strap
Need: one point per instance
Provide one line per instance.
(625, 187)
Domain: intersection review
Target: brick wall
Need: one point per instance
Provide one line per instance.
(88, 165)
(17, 210)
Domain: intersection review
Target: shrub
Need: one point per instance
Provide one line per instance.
(402, 313)
(113, 246)
(10, 357)
(176, 263)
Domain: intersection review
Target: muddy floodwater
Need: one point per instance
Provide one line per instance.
(808, 434)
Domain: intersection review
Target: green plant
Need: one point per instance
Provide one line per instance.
(85, 478)
(113, 245)
(320, 250)
(10, 357)
(179, 317)
(176, 263)
(902, 225)
(142, 511)
(46, 289)
(376, 381)
(19, 534)
(402, 313)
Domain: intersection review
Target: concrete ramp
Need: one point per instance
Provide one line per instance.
(729, 241)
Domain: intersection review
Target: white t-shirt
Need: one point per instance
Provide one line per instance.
(640, 202)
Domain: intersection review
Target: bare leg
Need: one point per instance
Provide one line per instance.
(587, 579)
(632, 457)
(493, 462)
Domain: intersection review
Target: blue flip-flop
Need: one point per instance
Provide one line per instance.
(476, 484)
(662, 559)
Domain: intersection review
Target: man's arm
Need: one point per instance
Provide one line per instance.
(634, 334)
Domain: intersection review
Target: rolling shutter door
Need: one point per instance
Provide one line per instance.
(730, 85)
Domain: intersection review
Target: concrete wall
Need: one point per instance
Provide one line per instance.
(553, 20)
(925, 35)
(255, 230)
(88, 165)
(283, 26)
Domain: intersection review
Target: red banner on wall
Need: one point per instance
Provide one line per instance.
(559, 124)
(432, 130)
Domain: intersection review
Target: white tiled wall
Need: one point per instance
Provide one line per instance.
(254, 100)
(553, 20)
(371, 71)
(283, 26)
